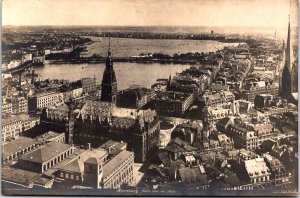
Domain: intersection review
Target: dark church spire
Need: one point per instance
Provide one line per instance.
(109, 81)
(289, 80)
(289, 49)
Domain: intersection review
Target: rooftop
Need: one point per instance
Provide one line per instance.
(46, 152)
(16, 145)
(48, 136)
(256, 167)
(77, 165)
(191, 175)
(14, 118)
(114, 163)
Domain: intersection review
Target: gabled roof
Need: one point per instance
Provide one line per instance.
(46, 152)
(192, 175)
(174, 148)
(90, 156)
(183, 144)
(223, 122)
(16, 145)
(74, 166)
(93, 160)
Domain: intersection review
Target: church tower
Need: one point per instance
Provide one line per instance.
(289, 80)
(109, 81)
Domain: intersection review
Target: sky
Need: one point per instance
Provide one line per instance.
(256, 13)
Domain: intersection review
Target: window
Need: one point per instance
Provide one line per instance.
(67, 175)
(61, 174)
(77, 177)
(72, 176)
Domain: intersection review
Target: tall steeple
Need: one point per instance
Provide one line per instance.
(289, 49)
(289, 80)
(109, 81)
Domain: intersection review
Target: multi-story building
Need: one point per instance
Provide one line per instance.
(89, 85)
(84, 169)
(6, 107)
(134, 97)
(218, 142)
(252, 168)
(45, 157)
(16, 148)
(250, 135)
(261, 87)
(189, 132)
(118, 171)
(262, 101)
(173, 103)
(214, 114)
(257, 170)
(280, 177)
(243, 135)
(19, 105)
(72, 93)
(38, 59)
(98, 168)
(26, 58)
(39, 101)
(223, 98)
(59, 118)
(100, 121)
(13, 126)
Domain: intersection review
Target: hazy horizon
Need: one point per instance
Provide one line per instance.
(148, 13)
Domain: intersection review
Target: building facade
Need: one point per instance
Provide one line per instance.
(44, 158)
(14, 125)
(41, 100)
(100, 121)
(134, 97)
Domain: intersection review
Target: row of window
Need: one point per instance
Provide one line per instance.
(260, 179)
(67, 176)
(57, 159)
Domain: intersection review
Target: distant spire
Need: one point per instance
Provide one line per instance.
(109, 51)
(289, 48)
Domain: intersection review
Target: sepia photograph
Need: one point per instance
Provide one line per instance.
(149, 98)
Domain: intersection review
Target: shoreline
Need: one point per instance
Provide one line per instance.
(125, 60)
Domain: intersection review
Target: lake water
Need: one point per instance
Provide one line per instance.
(127, 73)
(131, 73)
(126, 47)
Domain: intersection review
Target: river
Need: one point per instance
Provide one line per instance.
(127, 73)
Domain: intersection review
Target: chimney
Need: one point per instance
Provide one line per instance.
(32, 77)
(89, 146)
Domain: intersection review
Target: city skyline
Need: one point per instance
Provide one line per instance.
(146, 98)
(150, 13)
